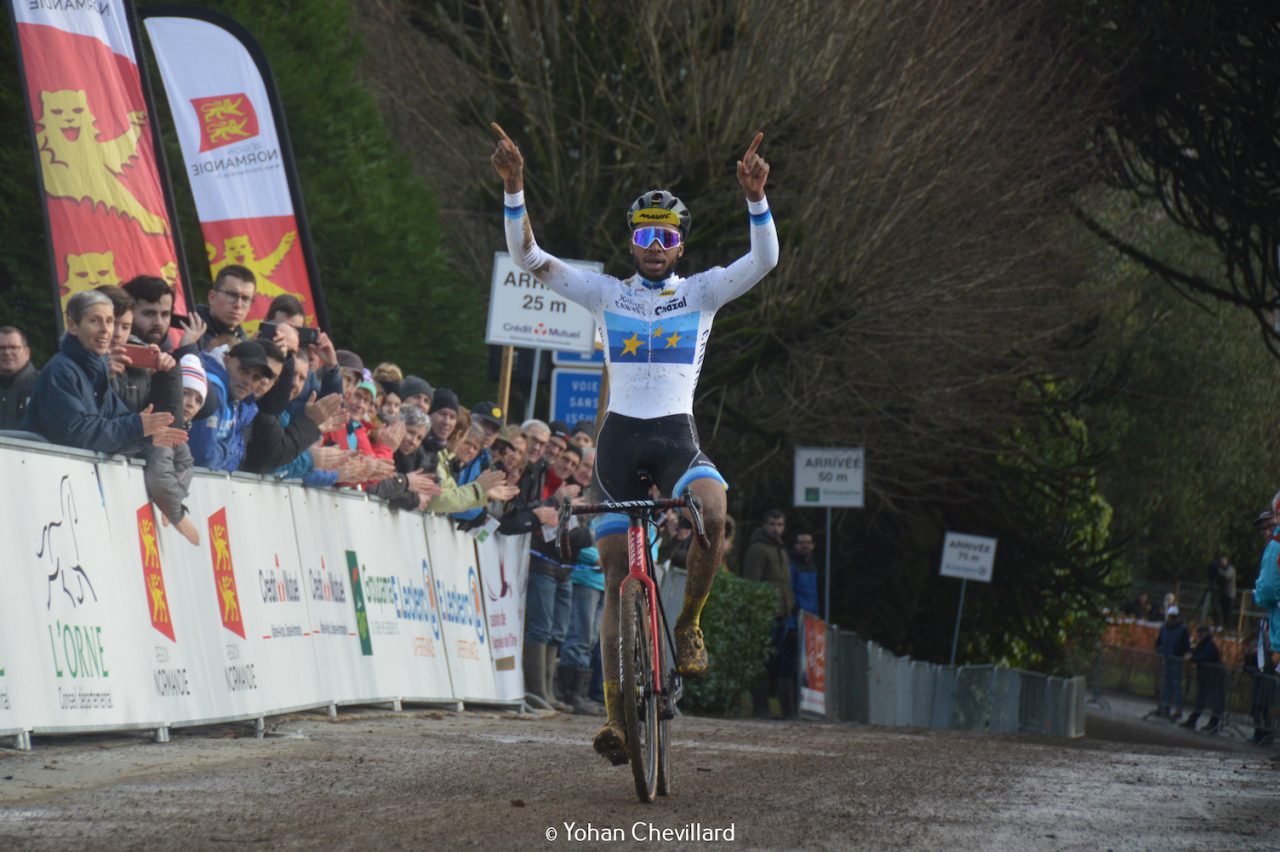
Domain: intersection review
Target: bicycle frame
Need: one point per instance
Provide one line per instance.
(640, 564)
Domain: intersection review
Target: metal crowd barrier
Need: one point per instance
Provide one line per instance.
(1245, 701)
(868, 683)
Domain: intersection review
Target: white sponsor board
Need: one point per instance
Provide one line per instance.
(504, 574)
(72, 650)
(969, 557)
(525, 312)
(456, 578)
(829, 476)
(113, 620)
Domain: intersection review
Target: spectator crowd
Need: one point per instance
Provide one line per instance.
(181, 393)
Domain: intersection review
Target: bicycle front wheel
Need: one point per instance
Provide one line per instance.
(639, 693)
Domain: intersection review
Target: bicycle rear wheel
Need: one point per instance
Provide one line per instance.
(639, 694)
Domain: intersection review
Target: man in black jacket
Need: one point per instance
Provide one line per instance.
(17, 377)
(1210, 680)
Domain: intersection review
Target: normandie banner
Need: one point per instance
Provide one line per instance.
(236, 153)
(107, 209)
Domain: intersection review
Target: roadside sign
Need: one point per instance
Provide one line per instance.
(575, 394)
(560, 358)
(525, 312)
(828, 476)
(969, 557)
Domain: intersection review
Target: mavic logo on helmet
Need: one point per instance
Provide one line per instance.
(656, 214)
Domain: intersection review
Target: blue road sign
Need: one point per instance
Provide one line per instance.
(575, 394)
(576, 359)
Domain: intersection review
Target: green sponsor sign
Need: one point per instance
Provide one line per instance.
(357, 598)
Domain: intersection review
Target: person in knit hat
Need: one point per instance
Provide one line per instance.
(168, 471)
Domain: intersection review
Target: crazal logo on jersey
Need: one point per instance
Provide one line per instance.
(666, 341)
(224, 576)
(225, 120)
(153, 576)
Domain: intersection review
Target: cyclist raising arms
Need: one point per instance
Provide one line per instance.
(656, 326)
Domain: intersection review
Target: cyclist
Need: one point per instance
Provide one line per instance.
(656, 326)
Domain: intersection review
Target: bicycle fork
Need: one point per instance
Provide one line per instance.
(670, 691)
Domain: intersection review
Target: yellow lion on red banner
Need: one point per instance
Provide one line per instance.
(76, 164)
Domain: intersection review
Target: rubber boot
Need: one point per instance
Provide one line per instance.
(579, 695)
(550, 667)
(787, 696)
(535, 677)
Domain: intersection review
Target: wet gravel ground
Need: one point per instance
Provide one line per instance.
(437, 780)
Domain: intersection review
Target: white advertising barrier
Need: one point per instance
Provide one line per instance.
(164, 604)
(248, 583)
(395, 648)
(69, 654)
(504, 573)
(456, 580)
(113, 620)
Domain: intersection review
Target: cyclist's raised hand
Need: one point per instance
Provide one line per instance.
(753, 171)
(507, 160)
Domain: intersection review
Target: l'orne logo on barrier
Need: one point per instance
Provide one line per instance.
(225, 120)
(224, 576)
(152, 575)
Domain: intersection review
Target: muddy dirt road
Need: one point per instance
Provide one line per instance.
(430, 780)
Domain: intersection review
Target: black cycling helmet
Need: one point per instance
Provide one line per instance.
(659, 207)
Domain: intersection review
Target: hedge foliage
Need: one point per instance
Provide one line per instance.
(735, 624)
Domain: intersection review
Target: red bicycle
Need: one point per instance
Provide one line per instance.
(649, 683)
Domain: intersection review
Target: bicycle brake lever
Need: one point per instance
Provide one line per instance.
(695, 509)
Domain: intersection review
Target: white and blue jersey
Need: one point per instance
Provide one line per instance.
(655, 335)
(655, 332)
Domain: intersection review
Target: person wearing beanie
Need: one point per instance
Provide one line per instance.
(168, 470)
(444, 417)
(417, 392)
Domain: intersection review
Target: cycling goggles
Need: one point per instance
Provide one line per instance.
(644, 237)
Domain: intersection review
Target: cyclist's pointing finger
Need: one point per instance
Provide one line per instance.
(496, 128)
(755, 143)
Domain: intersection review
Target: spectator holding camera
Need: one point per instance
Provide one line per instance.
(72, 403)
(153, 316)
(141, 375)
(17, 377)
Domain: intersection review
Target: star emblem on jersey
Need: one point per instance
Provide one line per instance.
(631, 345)
(669, 342)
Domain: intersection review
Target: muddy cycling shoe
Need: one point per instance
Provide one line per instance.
(611, 741)
(691, 652)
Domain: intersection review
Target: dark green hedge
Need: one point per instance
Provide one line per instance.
(735, 624)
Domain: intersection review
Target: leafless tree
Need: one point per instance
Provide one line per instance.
(923, 154)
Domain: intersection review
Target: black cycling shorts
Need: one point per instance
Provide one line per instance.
(665, 448)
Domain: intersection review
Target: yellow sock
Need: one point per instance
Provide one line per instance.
(613, 700)
(691, 612)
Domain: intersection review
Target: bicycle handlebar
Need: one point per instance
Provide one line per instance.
(688, 501)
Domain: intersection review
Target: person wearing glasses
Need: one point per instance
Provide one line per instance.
(17, 377)
(656, 326)
(229, 303)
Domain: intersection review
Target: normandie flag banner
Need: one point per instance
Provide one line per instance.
(236, 153)
(106, 206)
